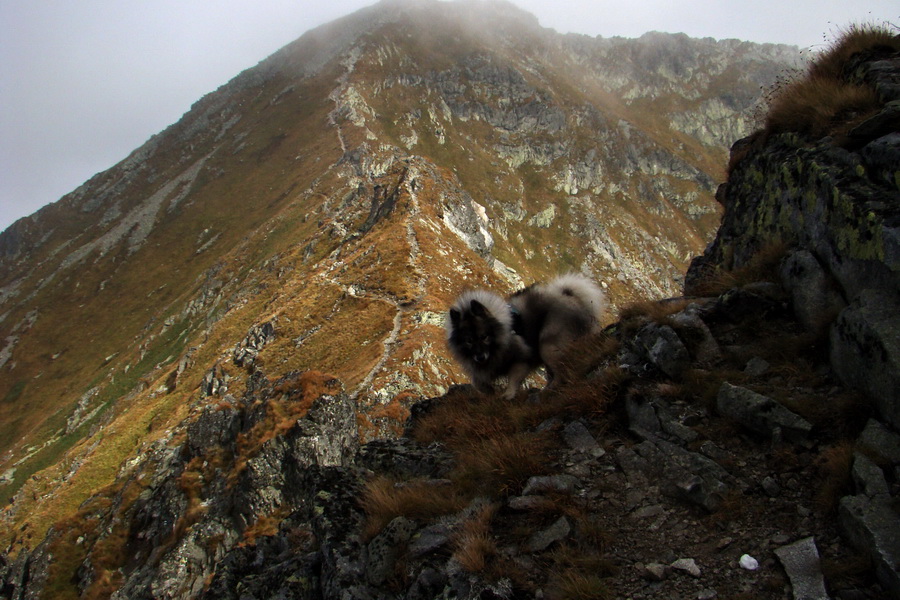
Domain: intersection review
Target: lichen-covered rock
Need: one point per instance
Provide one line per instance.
(24, 577)
(405, 458)
(814, 298)
(815, 197)
(385, 548)
(271, 568)
(214, 428)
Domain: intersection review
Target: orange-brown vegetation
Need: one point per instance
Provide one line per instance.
(295, 396)
(585, 355)
(834, 465)
(80, 535)
(762, 266)
(265, 525)
(474, 544)
(850, 41)
(499, 464)
(385, 498)
(819, 106)
(823, 100)
(651, 311)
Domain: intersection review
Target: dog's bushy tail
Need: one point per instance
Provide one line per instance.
(583, 290)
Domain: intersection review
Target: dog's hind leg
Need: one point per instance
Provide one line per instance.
(554, 354)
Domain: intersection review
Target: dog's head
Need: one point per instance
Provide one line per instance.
(479, 327)
(474, 332)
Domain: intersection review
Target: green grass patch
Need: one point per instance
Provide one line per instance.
(15, 392)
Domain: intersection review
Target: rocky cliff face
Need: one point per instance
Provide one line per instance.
(834, 204)
(838, 205)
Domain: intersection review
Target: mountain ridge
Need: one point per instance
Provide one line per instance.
(342, 199)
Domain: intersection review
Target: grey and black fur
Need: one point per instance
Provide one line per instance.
(493, 338)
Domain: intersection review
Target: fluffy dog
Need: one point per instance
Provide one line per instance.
(494, 338)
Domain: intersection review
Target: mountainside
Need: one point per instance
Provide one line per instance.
(320, 211)
(738, 442)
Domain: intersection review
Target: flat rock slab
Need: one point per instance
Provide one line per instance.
(801, 563)
(881, 440)
(874, 528)
(865, 350)
(565, 484)
(557, 532)
(759, 413)
(577, 437)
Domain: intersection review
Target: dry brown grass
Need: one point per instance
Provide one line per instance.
(463, 417)
(834, 466)
(499, 465)
(291, 400)
(264, 526)
(494, 439)
(762, 266)
(581, 571)
(819, 106)
(652, 311)
(395, 410)
(573, 584)
(590, 398)
(385, 498)
(190, 482)
(586, 354)
(67, 553)
(823, 101)
(474, 546)
(850, 41)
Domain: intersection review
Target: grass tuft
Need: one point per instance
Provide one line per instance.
(651, 311)
(835, 463)
(762, 266)
(585, 355)
(824, 100)
(850, 41)
(500, 465)
(474, 545)
(264, 526)
(385, 498)
(820, 106)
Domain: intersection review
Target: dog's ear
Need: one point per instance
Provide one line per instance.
(455, 316)
(478, 309)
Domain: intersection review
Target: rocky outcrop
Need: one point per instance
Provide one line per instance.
(835, 204)
(663, 490)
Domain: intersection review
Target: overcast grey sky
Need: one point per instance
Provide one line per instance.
(85, 82)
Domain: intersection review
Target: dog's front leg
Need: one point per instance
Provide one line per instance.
(482, 383)
(516, 376)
